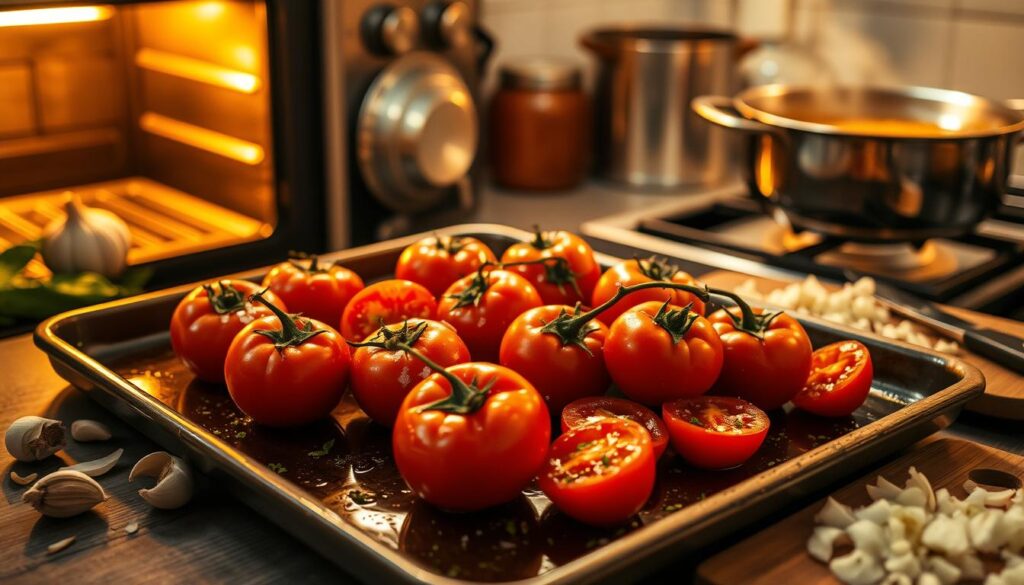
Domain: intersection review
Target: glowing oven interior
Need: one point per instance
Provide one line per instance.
(159, 112)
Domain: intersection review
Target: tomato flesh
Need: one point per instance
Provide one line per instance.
(591, 409)
(840, 380)
(600, 473)
(715, 432)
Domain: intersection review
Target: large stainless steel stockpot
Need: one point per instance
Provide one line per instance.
(873, 164)
(645, 133)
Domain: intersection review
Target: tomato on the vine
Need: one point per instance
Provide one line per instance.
(482, 305)
(840, 380)
(600, 473)
(383, 373)
(767, 355)
(317, 291)
(587, 410)
(558, 283)
(285, 370)
(562, 358)
(639, 270)
(715, 432)
(438, 261)
(656, 353)
(471, 436)
(388, 302)
(207, 320)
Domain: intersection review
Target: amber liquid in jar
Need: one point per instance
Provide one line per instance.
(540, 127)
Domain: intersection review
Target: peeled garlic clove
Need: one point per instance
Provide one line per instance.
(883, 489)
(835, 514)
(174, 484)
(947, 572)
(857, 568)
(86, 430)
(822, 541)
(31, 438)
(60, 545)
(64, 493)
(918, 479)
(97, 467)
(23, 480)
(868, 537)
(878, 512)
(946, 535)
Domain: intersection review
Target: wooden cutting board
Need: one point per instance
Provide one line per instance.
(1004, 389)
(778, 554)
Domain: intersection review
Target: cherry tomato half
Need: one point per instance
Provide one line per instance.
(636, 271)
(561, 372)
(481, 307)
(553, 284)
(468, 461)
(390, 301)
(287, 371)
(382, 377)
(768, 371)
(587, 410)
(206, 321)
(840, 380)
(438, 261)
(715, 432)
(600, 473)
(316, 291)
(656, 353)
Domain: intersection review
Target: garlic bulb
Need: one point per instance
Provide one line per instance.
(87, 239)
(31, 438)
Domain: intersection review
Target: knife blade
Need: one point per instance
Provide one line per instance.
(1002, 348)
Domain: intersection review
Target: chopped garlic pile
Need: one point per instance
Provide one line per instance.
(854, 305)
(919, 536)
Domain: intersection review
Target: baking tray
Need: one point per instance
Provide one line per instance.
(351, 505)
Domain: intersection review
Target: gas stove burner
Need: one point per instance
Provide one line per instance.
(904, 261)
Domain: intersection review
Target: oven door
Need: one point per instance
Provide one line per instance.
(193, 121)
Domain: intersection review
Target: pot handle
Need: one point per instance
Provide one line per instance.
(719, 109)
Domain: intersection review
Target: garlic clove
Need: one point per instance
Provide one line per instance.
(947, 572)
(857, 568)
(883, 489)
(31, 438)
(23, 480)
(878, 512)
(60, 545)
(64, 493)
(947, 535)
(174, 485)
(921, 481)
(897, 579)
(868, 537)
(85, 431)
(835, 514)
(97, 467)
(822, 541)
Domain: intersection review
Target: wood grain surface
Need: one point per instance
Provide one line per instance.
(1004, 391)
(778, 554)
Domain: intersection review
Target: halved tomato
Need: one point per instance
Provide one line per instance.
(600, 473)
(593, 408)
(715, 432)
(840, 380)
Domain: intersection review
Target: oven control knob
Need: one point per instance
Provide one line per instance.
(391, 30)
(448, 24)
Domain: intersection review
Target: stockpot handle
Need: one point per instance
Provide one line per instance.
(719, 109)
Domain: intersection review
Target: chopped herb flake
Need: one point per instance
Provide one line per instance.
(324, 450)
(277, 467)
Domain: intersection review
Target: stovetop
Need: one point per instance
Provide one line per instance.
(982, 271)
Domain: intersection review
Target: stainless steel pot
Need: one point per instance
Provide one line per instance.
(645, 135)
(880, 181)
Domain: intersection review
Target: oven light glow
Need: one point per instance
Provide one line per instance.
(951, 122)
(203, 138)
(70, 14)
(196, 70)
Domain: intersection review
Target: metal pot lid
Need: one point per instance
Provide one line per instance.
(889, 113)
(609, 42)
(417, 132)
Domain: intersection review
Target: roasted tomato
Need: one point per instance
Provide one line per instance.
(385, 302)
(600, 473)
(767, 356)
(636, 271)
(207, 320)
(561, 355)
(840, 380)
(438, 261)
(558, 283)
(383, 374)
(715, 432)
(316, 291)
(286, 370)
(656, 353)
(471, 436)
(587, 410)
(482, 306)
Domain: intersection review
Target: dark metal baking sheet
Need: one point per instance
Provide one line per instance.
(352, 506)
